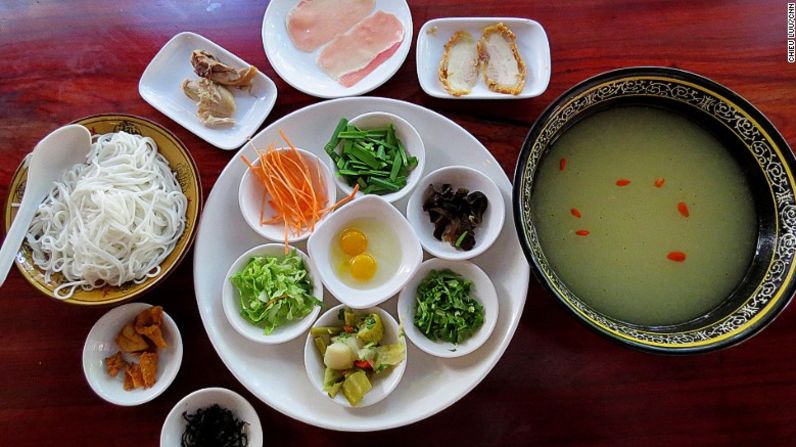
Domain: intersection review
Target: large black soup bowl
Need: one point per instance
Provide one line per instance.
(765, 159)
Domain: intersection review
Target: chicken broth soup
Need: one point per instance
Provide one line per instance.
(644, 215)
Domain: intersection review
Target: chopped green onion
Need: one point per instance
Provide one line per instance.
(335, 139)
(444, 309)
(375, 159)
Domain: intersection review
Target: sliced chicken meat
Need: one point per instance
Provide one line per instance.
(458, 69)
(216, 103)
(504, 70)
(206, 65)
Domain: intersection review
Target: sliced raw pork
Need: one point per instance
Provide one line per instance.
(312, 23)
(353, 55)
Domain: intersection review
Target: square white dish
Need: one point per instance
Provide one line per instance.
(531, 42)
(300, 69)
(160, 87)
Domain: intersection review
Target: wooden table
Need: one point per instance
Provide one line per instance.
(557, 384)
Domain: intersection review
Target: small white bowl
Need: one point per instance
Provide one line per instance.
(231, 302)
(383, 384)
(403, 131)
(250, 195)
(458, 177)
(100, 344)
(482, 290)
(370, 207)
(531, 42)
(175, 424)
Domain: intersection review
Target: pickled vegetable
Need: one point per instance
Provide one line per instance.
(349, 317)
(353, 355)
(332, 376)
(371, 329)
(321, 344)
(388, 355)
(333, 389)
(325, 330)
(355, 386)
(338, 356)
(332, 381)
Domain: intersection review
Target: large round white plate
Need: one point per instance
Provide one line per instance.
(275, 374)
(299, 69)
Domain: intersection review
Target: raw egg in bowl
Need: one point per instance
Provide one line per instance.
(365, 252)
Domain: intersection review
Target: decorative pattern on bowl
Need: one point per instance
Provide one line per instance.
(681, 90)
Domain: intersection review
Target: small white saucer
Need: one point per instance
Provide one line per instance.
(100, 344)
(174, 425)
(408, 259)
(459, 177)
(482, 290)
(383, 384)
(285, 332)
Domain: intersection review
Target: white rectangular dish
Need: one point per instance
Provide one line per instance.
(531, 42)
(160, 87)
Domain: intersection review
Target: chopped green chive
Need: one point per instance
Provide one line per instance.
(375, 159)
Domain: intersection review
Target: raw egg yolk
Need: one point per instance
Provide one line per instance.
(353, 242)
(363, 267)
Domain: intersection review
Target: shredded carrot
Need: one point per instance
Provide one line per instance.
(575, 212)
(659, 182)
(622, 182)
(262, 207)
(292, 189)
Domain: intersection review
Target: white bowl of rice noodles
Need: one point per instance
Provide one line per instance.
(113, 227)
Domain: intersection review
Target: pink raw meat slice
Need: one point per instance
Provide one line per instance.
(312, 23)
(353, 55)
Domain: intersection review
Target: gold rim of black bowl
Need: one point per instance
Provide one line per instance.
(184, 167)
(768, 163)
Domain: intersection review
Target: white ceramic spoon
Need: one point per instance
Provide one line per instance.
(57, 152)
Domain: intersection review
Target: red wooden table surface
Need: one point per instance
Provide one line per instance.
(557, 384)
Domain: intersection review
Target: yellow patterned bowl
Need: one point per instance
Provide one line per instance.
(187, 175)
(765, 159)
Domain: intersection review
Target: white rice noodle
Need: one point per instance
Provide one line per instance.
(112, 220)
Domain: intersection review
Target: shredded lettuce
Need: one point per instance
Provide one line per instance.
(274, 291)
